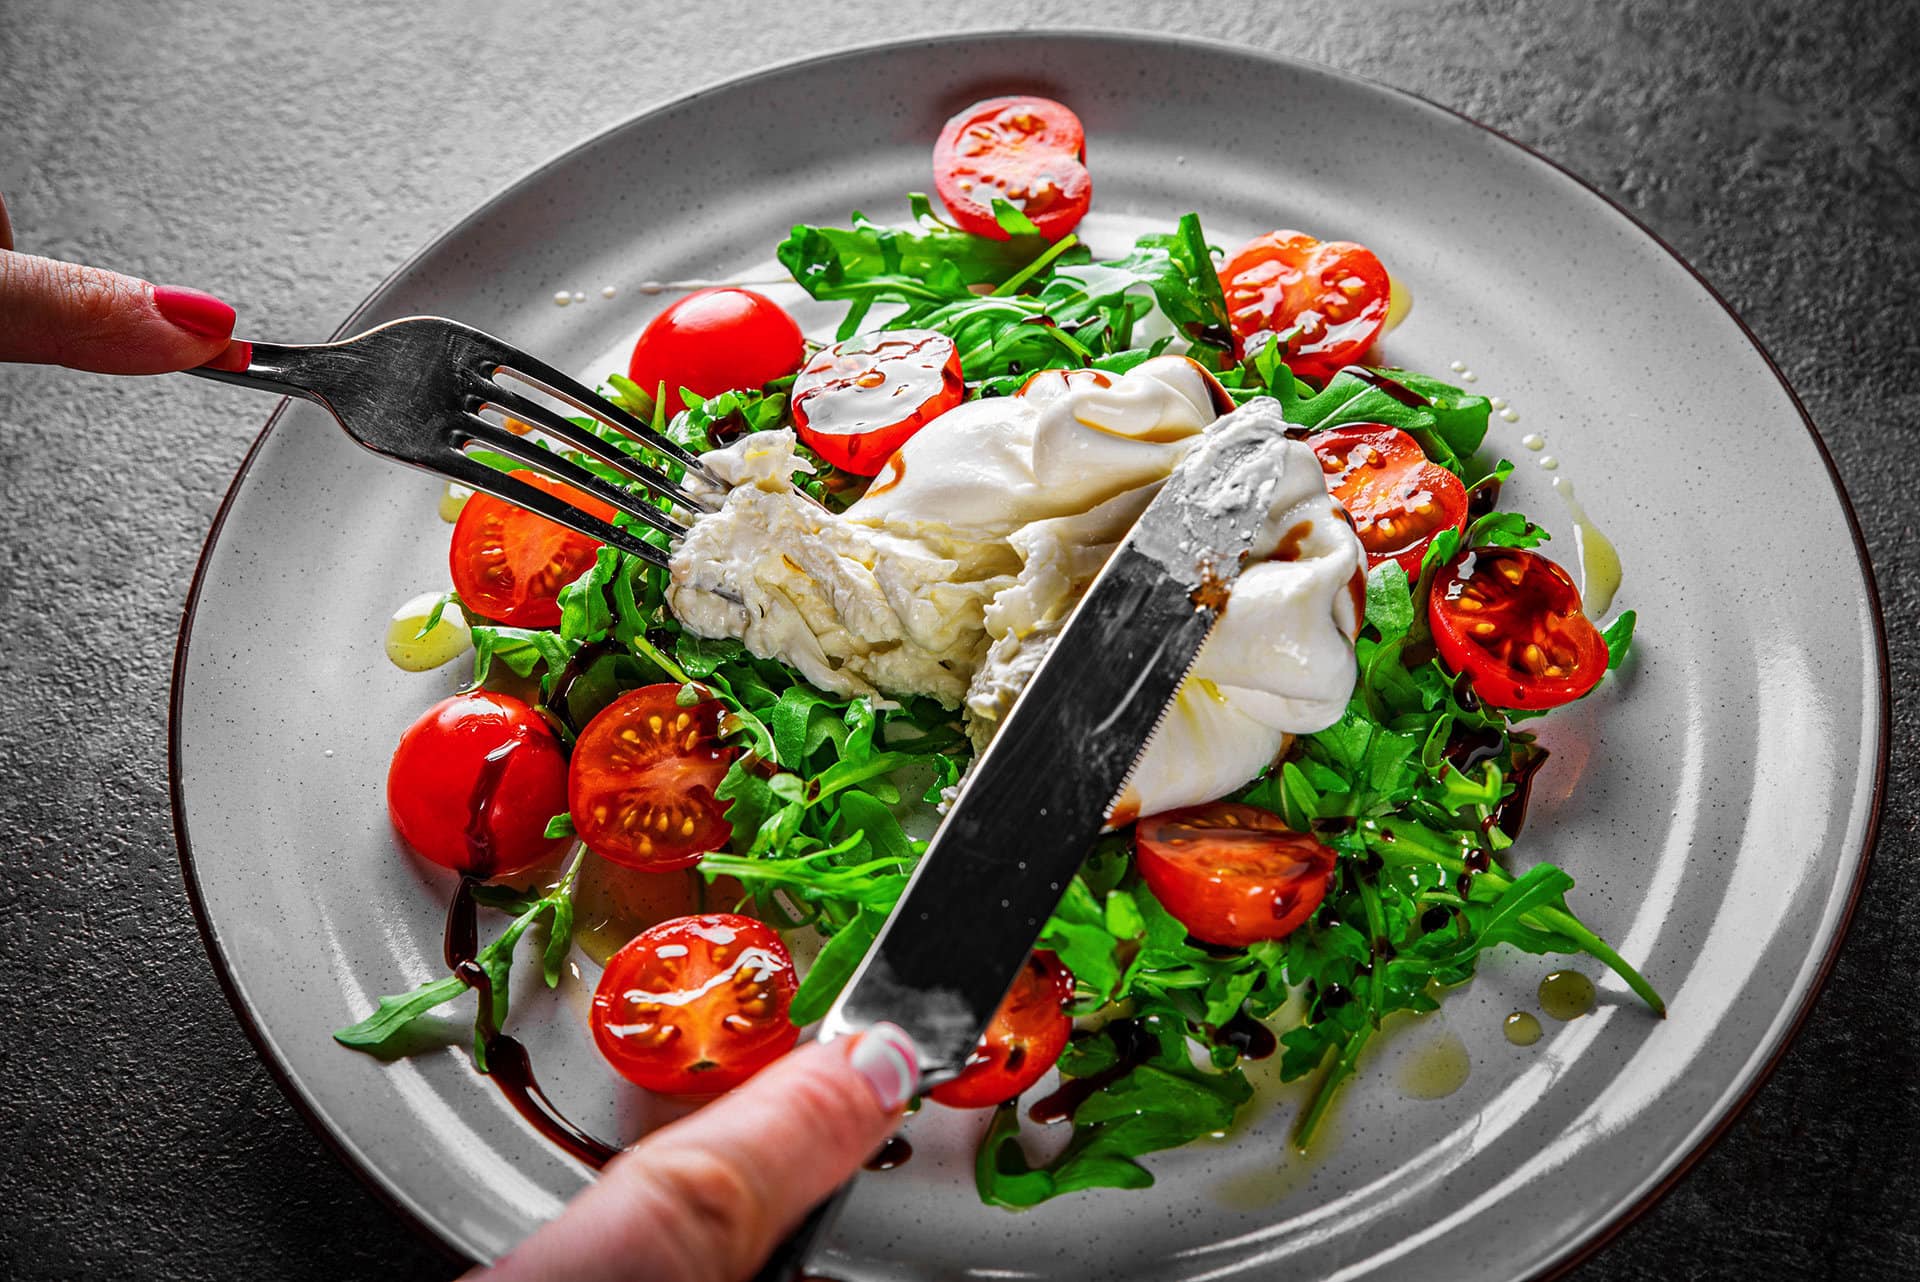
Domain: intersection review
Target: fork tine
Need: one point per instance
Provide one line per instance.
(548, 420)
(583, 398)
(474, 474)
(560, 468)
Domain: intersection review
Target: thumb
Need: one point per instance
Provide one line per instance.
(55, 313)
(706, 1198)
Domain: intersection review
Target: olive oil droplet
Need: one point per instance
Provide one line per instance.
(452, 500)
(1521, 1028)
(1437, 1069)
(446, 641)
(1600, 570)
(1566, 994)
(1399, 303)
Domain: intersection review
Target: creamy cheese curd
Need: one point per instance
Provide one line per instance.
(952, 575)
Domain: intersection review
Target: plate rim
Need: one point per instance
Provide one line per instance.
(1575, 1252)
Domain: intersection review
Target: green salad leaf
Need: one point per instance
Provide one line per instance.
(393, 1016)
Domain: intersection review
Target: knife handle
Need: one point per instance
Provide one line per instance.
(789, 1259)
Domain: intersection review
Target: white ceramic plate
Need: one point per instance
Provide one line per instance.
(1716, 800)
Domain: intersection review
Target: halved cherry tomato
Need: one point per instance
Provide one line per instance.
(1026, 1036)
(509, 564)
(1510, 619)
(1334, 294)
(1232, 874)
(640, 787)
(696, 1005)
(714, 341)
(1029, 152)
(474, 782)
(857, 402)
(1398, 497)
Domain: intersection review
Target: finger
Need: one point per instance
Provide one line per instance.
(55, 313)
(6, 227)
(706, 1198)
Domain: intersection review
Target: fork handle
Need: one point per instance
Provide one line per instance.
(288, 369)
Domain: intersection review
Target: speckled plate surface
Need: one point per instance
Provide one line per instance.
(1716, 800)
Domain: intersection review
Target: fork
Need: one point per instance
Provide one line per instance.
(414, 390)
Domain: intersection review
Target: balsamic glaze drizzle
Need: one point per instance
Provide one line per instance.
(507, 1061)
(508, 1064)
(894, 1152)
(1135, 1046)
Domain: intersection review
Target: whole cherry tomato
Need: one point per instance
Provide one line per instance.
(713, 341)
(696, 1005)
(1232, 874)
(474, 782)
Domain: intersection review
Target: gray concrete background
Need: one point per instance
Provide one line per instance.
(289, 156)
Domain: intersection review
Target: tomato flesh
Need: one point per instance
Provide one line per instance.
(1030, 152)
(857, 402)
(1333, 294)
(1511, 620)
(509, 564)
(696, 1005)
(1398, 497)
(1232, 874)
(640, 786)
(1026, 1036)
(713, 341)
(474, 782)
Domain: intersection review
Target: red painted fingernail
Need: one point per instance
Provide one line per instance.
(193, 311)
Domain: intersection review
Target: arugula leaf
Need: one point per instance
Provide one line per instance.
(835, 965)
(925, 264)
(1159, 1103)
(1619, 638)
(393, 1015)
(521, 650)
(1389, 600)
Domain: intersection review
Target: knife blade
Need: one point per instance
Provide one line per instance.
(1037, 797)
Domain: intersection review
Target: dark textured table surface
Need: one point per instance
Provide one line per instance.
(288, 156)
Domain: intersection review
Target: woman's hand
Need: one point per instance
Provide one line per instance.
(706, 1198)
(55, 313)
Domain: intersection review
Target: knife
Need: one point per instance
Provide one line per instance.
(1048, 782)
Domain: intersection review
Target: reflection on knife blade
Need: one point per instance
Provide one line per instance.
(972, 911)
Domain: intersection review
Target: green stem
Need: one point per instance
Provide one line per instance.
(880, 764)
(1572, 926)
(1376, 929)
(648, 650)
(1034, 268)
(1338, 1072)
(1403, 846)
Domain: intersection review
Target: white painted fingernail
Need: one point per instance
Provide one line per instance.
(886, 1057)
